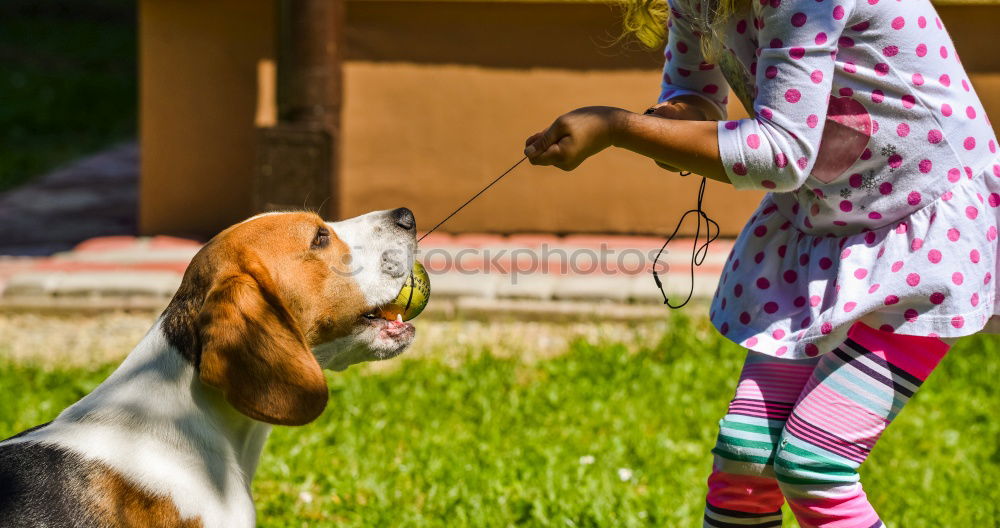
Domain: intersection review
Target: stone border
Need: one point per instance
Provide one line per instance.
(142, 273)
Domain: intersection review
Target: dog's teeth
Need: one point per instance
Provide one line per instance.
(399, 318)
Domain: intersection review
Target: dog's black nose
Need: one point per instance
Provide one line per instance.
(403, 218)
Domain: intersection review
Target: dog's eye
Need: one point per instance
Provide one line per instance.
(322, 238)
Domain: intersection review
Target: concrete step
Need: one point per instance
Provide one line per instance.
(145, 271)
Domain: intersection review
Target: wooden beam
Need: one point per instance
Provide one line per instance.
(298, 158)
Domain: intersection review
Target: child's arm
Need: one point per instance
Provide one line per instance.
(692, 90)
(775, 150)
(574, 137)
(684, 108)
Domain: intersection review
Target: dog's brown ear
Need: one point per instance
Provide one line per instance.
(254, 352)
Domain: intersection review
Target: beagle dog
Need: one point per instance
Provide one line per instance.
(173, 436)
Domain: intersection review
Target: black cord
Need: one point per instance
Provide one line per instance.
(467, 202)
(413, 282)
(698, 254)
(413, 286)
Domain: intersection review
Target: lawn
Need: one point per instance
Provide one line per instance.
(68, 82)
(605, 433)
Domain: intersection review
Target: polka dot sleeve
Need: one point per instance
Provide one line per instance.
(797, 43)
(685, 71)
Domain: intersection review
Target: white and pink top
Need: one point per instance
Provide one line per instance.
(882, 166)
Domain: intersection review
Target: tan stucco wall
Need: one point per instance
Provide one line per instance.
(438, 99)
(197, 87)
(472, 124)
(436, 110)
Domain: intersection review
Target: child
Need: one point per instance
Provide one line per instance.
(876, 246)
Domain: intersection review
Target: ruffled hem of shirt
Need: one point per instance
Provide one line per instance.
(801, 330)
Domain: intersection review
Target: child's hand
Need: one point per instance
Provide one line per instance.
(574, 137)
(676, 110)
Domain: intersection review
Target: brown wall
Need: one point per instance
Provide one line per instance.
(438, 99)
(197, 64)
(437, 109)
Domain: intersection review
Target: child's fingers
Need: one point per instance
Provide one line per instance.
(536, 146)
(544, 157)
(532, 138)
(558, 154)
(546, 139)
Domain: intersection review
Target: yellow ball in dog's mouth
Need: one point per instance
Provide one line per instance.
(412, 297)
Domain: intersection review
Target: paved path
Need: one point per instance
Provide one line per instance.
(95, 196)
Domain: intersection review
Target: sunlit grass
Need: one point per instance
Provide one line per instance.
(603, 435)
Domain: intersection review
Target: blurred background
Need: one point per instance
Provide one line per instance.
(131, 131)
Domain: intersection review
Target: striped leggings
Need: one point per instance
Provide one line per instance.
(798, 430)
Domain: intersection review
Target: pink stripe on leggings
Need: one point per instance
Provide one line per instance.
(830, 410)
(917, 355)
(852, 510)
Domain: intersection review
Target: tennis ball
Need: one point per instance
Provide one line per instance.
(412, 297)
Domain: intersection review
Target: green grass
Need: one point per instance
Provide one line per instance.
(498, 442)
(68, 82)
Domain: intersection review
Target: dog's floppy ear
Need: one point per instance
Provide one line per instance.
(254, 352)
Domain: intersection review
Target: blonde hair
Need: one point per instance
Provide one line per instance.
(646, 21)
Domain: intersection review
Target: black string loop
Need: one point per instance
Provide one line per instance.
(698, 253)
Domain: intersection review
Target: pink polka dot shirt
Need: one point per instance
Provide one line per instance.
(882, 168)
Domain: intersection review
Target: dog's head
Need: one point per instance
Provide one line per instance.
(269, 302)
